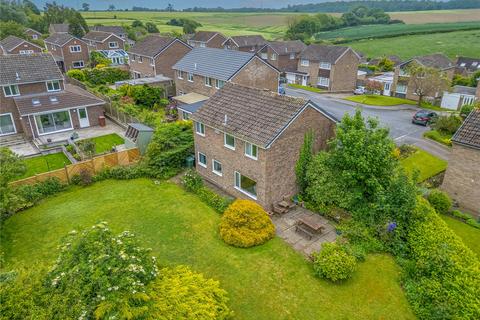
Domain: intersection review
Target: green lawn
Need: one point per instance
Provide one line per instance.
(427, 164)
(44, 163)
(445, 139)
(379, 100)
(267, 282)
(308, 88)
(106, 142)
(469, 234)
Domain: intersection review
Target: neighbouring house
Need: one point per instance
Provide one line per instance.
(205, 70)
(402, 83)
(251, 43)
(333, 68)
(188, 103)
(207, 39)
(16, 45)
(462, 178)
(36, 101)
(283, 55)
(69, 51)
(385, 80)
(32, 34)
(58, 28)
(458, 97)
(394, 58)
(467, 66)
(155, 55)
(247, 141)
(107, 44)
(119, 31)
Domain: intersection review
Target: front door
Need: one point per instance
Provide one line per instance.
(83, 117)
(304, 80)
(386, 88)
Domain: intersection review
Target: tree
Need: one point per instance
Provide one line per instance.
(386, 64)
(11, 28)
(111, 7)
(304, 160)
(137, 23)
(10, 11)
(11, 167)
(75, 27)
(169, 8)
(97, 58)
(374, 86)
(151, 27)
(30, 6)
(85, 6)
(426, 81)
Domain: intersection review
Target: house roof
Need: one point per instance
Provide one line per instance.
(72, 97)
(118, 30)
(323, 53)
(191, 97)
(192, 107)
(203, 36)
(287, 47)
(248, 41)
(33, 31)
(59, 27)
(465, 90)
(394, 58)
(97, 36)
(151, 45)
(211, 62)
(255, 115)
(11, 42)
(470, 64)
(28, 68)
(469, 132)
(59, 38)
(436, 60)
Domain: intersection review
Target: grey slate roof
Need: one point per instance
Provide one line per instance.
(117, 30)
(469, 132)
(97, 36)
(287, 47)
(11, 42)
(59, 39)
(203, 36)
(23, 68)
(470, 64)
(323, 53)
(465, 90)
(254, 115)
(249, 41)
(211, 62)
(151, 45)
(59, 27)
(436, 60)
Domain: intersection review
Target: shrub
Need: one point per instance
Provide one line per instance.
(466, 218)
(105, 75)
(406, 150)
(333, 262)
(442, 138)
(245, 224)
(217, 202)
(35, 192)
(465, 110)
(192, 181)
(447, 124)
(440, 201)
(85, 177)
(77, 75)
(122, 173)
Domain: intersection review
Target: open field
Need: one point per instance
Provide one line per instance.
(437, 16)
(271, 281)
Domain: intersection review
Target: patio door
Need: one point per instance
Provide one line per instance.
(83, 117)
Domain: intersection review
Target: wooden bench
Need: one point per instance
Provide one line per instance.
(304, 229)
(308, 226)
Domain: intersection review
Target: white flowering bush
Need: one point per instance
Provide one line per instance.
(102, 275)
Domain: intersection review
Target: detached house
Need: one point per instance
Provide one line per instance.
(248, 140)
(245, 43)
(35, 100)
(32, 34)
(403, 84)
(108, 44)
(333, 68)
(155, 55)
(16, 45)
(462, 178)
(69, 51)
(467, 65)
(119, 31)
(284, 55)
(207, 39)
(206, 70)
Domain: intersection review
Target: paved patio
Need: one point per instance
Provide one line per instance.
(285, 228)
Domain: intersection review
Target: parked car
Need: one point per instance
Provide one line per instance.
(359, 90)
(424, 117)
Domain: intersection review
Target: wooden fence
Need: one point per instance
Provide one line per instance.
(94, 165)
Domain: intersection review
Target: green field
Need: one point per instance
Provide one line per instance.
(270, 281)
(40, 164)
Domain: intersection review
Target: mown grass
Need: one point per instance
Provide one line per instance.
(307, 88)
(44, 163)
(106, 143)
(427, 164)
(379, 100)
(440, 137)
(469, 234)
(271, 281)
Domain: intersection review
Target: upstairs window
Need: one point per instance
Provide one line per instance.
(179, 74)
(208, 81)
(264, 55)
(229, 141)
(140, 59)
(202, 45)
(325, 65)
(11, 91)
(200, 128)
(274, 56)
(292, 56)
(190, 77)
(53, 86)
(133, 57)
(304, 63)
(202, 159)
(251, 150)
(217, 167)
(113, 44)
(76, 48)
(219, 84)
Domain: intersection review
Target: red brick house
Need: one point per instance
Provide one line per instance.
(251, 43)
(247, 141)
(284, 55)
(16, 45)
(69, 51)
(35, 100)
(207, 39)
(155, 55)
(32, 34)
(107, 44)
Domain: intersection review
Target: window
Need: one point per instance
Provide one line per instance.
(185, 115)
(26, 51)
(76, 48)
(52, 122)
(140, 59)
(77, 64)
(219, 84)
(202, 159)
(403, 73)
(292, 56)
(208, 81)
(304, 63)
(246, 185)
(217, 167)
(475, 63)
(34, 36)
(53, 86)
(202, 45)
(325, 65)
(401, 88)
(179, 74)
(190, 77)
(36, 101)
(229, 141)
(11, 91)
(324, 82)
(463, 64)
(6, 124)
(133, 57)
(264, 55)
(200, 128)
(152, 62)
(251, 150)
(136, 75)
(274, 56)
(113, 44)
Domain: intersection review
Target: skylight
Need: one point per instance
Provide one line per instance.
(35, 101)
(53, 99)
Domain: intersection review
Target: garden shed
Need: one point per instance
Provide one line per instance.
(138, 136)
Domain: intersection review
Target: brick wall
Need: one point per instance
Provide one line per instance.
(25, 46)
(142, 65)
(70, 57)
(343, 76)
(258, 75)
(282, 62)
(197, 85)
(104, 45)
(165, 61)
(216, 42)
(477, 94)
(462, 179)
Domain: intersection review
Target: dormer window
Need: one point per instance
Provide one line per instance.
(11, 91)
(53, 86)
(113, 44)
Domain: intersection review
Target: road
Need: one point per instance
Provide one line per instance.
(398, 119)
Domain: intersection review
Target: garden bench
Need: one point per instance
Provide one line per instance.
(309, 226)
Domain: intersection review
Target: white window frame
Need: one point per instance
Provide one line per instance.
(218, 173)
(217, 84)
(208, 81)
(190, 77)
(140, 59)
(72, 48)
(273, 57)
(239, 186)
(264, 55)
(200, 129)
(152, 62)
(52, 84)
(82, 66)
(403, 85)
(10, 88)
(51, 112)
(202, 45)
(185, 115)
(180, 74)
(133, 57)
(304, 63)
(323, 82)
(225, 141)
(292, 56)
(251, 145)
(325, 65)
(198, 159)
(26, 51)
(115, 44)
(13, 123)
(34, 36)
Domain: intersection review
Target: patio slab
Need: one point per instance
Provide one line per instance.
(24, 149)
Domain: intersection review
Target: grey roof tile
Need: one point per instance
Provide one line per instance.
(436, 60)
(97, 36)
(21, 68)
(151, 45)
(249, 41)
(287, 47)
(203, 36)
(60, 27)
(469, 132)
(470, 64)
(59, 38)
(11, 42)
(118, 30)
(324, 53)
